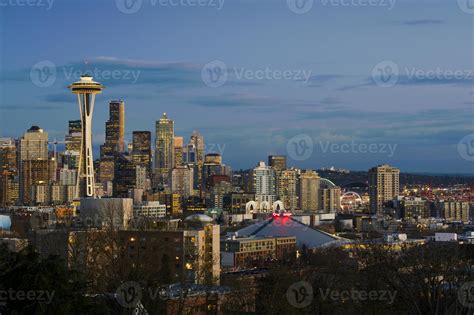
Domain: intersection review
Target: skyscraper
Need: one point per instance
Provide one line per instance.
(127, 176)
(86, 89)
(198, 141)
(384, 185)
(309, 190)
(141, 152)
(33, 146)
(182, 181)
(114, 129)
(178, 151)
(164, 149)
(74, 136)
(264, 184)
(277, 162)
(33, 173)
(8, 172)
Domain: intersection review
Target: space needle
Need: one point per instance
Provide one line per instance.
(86, 89)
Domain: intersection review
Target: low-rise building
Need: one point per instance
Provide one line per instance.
(150, 209)
(240, 253)
(454, 210)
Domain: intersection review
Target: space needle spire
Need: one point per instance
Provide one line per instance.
(86, 89)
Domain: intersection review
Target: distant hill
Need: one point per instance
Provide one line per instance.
(343, 179)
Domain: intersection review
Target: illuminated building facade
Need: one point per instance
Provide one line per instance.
(384, 185)
(309, 190)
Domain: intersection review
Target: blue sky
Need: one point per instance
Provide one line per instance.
(153, 59)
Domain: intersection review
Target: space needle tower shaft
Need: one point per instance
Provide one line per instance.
(86, 89)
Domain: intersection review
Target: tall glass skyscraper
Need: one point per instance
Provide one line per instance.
(141, 150)
(114, 129)
(164, 149)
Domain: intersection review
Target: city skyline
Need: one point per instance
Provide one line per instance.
(330, 97)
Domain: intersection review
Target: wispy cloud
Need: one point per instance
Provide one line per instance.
(422, 22)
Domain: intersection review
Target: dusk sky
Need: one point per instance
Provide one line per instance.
(331, 94)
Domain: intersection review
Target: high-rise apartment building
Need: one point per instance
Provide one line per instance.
(164, 149)
(277, 162)
(330, 199)
(286, 188)
(454, 210)
(114, 129)
(384, 185)
(309, 190)
(264, 184)
(141, 151)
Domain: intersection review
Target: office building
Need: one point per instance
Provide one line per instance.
(114, 130)
(74, 136)
(182, 181)
(250, 252)
(141, 150)
(197, 140)
(164, 150)
(150, 209)
(34, 173)
(9, 186)
(178, 143)
(33, 146)
(127, 176)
